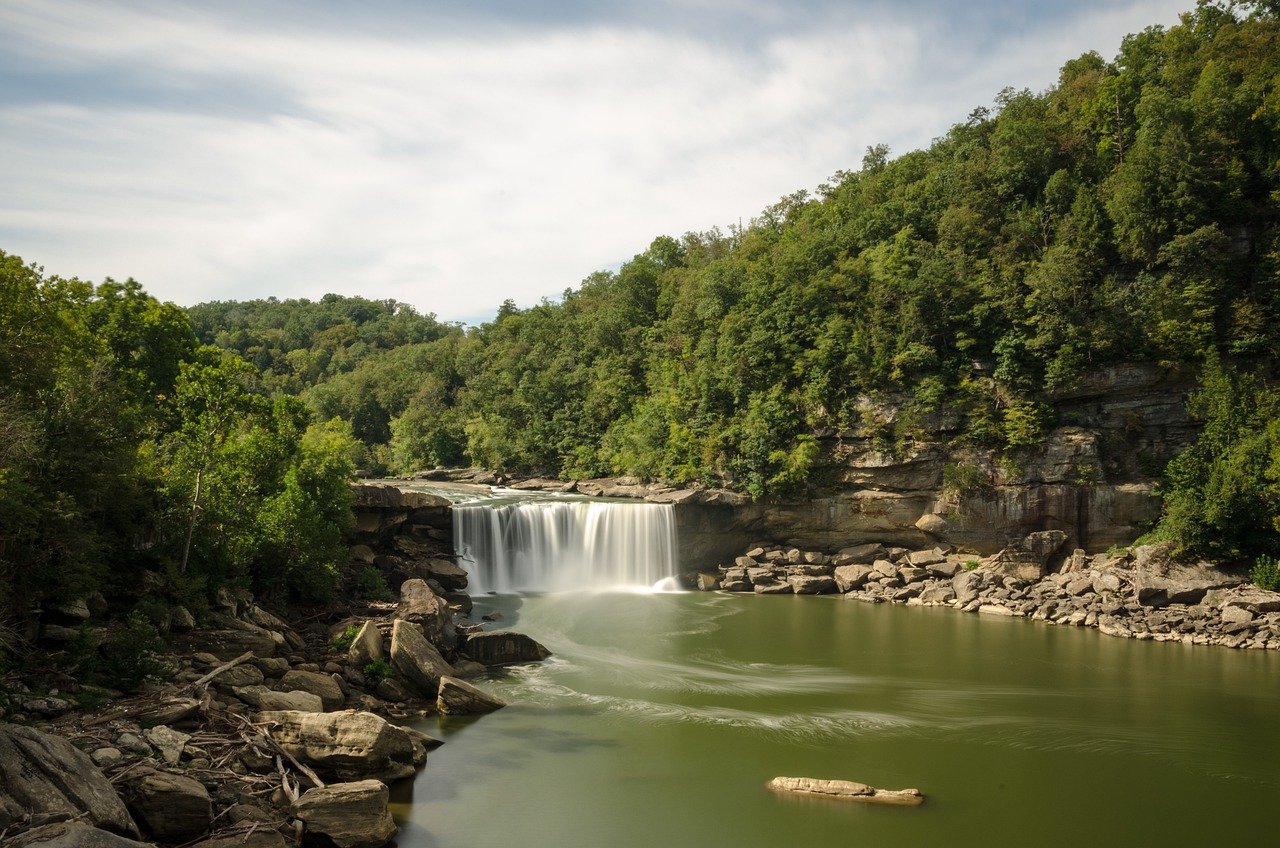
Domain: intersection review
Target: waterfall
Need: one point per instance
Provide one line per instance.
(551, 546)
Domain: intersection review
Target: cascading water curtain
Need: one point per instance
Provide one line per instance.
(553, 546)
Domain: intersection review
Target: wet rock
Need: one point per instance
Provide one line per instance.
(321, 685)
(503, 647)
(707, 582)
(457, 697)
(172, 808)
(416, 659)
(346, 745)
(45, 775)
(348, 815)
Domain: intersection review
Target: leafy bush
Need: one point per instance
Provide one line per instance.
(134, 653)
(378, 671)
(972, 564)
(1265, 573)
(343, 640)
(371, 585)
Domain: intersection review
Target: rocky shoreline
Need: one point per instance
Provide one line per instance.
(1138, 593)
(261, 734)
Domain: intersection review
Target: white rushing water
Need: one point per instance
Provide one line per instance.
(554, 546)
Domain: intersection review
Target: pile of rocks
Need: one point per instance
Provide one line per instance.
(1140, 593)
(264, 734)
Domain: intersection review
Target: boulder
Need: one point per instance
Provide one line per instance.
(948, 568)
(846, 790)
(807, 585)
(366, 647)
(421, 606)
(321, 685)
(937, 595)
(850, 577)
(262, 837)
(45, 775)
(1250, 598)
(181, 620)
(861, 554)
(268, 699)
(503, 647)
(1158, 581)
(1029, 560)
(773, 589)
(344, 746)
(416, 659)
(348, 815)
(169, 711)
(924, 559)
(968, 584)
(226, 644)
(71, 834)
(172, 808)
(707, 582)
(457, 697)
(449, 575)
(169, 743)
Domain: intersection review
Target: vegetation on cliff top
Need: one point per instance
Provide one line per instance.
(1127, 213)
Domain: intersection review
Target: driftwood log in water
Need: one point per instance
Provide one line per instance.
(845, 790)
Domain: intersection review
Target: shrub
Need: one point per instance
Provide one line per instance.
(371, 586)
(972, 564)
(1265, 573)
(134, 654)
(343, 640)
(378, 671)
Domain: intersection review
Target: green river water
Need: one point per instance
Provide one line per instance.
(661, 717)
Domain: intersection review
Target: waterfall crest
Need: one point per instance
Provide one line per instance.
(552, 546)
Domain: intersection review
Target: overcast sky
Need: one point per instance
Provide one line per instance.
(452, 155)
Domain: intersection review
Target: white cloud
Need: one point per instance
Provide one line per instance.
(451, 171)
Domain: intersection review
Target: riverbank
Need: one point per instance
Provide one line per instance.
(1138, 593)
(252, 731)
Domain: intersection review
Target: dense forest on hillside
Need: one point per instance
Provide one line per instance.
(1128, 213)
(136, 463)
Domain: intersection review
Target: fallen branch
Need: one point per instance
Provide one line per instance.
(227, 666)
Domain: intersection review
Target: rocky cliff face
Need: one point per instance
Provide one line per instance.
(1093, 478)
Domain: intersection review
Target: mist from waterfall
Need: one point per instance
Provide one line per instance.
(554, 546)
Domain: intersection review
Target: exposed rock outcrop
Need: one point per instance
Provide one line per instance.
(348, 815)
(46, 776)
(846, 790)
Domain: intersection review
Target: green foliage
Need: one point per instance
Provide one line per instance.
(971, 564)
(135, 653)
(1265, 573)
(371, 585)
(962, 480)
(344, 639)
(378, 671)
(1130, 212)
(1222, 495)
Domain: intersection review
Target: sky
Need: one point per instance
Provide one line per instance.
(453, 155)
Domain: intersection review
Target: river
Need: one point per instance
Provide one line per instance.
(661, 717)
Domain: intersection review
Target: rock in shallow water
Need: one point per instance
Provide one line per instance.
(349, 815)
(846, 790)
(457, 697)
